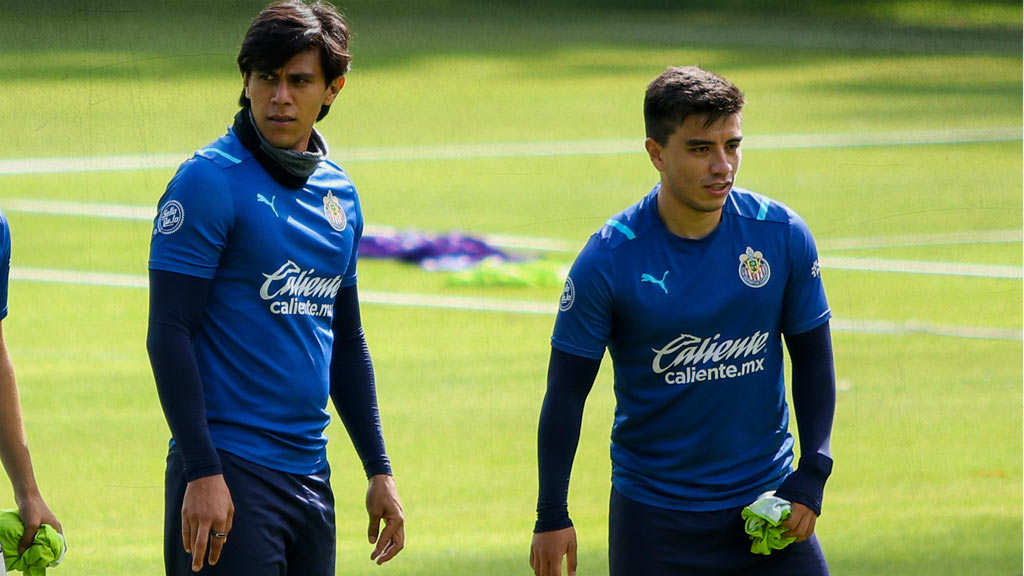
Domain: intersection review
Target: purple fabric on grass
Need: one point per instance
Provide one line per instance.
(452, 251)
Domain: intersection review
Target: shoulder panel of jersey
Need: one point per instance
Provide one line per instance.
(754, 206)
(226, 152)
(333, 165)
(202, 182)
(631, 222)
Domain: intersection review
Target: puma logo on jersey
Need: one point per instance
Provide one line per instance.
(653, 280)
(263, 200)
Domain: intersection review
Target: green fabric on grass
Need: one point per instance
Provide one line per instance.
(497, 272)
(47, 549)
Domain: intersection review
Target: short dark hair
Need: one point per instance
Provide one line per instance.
(284, 29)
(683, 91)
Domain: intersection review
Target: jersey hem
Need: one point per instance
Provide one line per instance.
(693, 505)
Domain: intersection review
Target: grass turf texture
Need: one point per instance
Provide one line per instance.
(928, 430)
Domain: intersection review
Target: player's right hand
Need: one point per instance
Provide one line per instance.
(207, 510)
(547, 550)
(34, 513)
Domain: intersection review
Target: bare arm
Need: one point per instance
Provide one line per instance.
(15, 455)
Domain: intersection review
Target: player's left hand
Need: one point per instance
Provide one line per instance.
(382, 504)
(800, 523)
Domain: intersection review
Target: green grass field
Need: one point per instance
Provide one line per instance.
(894, 128)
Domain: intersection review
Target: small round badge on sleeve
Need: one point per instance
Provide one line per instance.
(171, 217)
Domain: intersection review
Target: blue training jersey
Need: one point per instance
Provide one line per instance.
(694, 331)
(5, 263)
(277, 258)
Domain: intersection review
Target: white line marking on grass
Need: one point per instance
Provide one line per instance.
(511, 306)
(922, 267)
(80, 278)
(893, 138)
(130, 212)
(85, 209)
(125, 211)
(147, 213)
(67, 165)
(470, 151)
(916, 240)
(914, 327)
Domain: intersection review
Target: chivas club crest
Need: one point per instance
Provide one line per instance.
(334, 212)
(754, 269)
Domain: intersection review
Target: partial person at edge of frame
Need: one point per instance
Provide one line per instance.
(33, 512)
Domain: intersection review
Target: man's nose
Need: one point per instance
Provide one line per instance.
(281, 95)
(722, 163)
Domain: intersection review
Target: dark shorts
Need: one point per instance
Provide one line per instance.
(283, 523)
(658, 542)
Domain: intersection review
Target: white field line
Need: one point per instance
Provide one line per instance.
(11, 166)
(125, 211)
(917, 240)
(914, 327)
(512, 306)
(147, 213)
(922, 267)
(83, 209)
(79, 278)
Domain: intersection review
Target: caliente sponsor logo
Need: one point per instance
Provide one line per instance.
(690, 358)
(294, 290)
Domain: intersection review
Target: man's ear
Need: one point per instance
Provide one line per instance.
(332, 90)
(654, 151)
(245, 84)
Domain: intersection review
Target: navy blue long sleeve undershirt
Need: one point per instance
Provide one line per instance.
(353, 388)
(177, 302)
(571, 377)
(814, 403)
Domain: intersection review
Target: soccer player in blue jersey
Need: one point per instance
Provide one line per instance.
(691, 291)
(13, 445)
(254, 322)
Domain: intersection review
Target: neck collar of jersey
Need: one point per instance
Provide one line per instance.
(290, 169)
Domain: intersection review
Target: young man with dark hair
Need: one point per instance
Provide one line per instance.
(254, 322)
(14, 452)
(691, 291)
